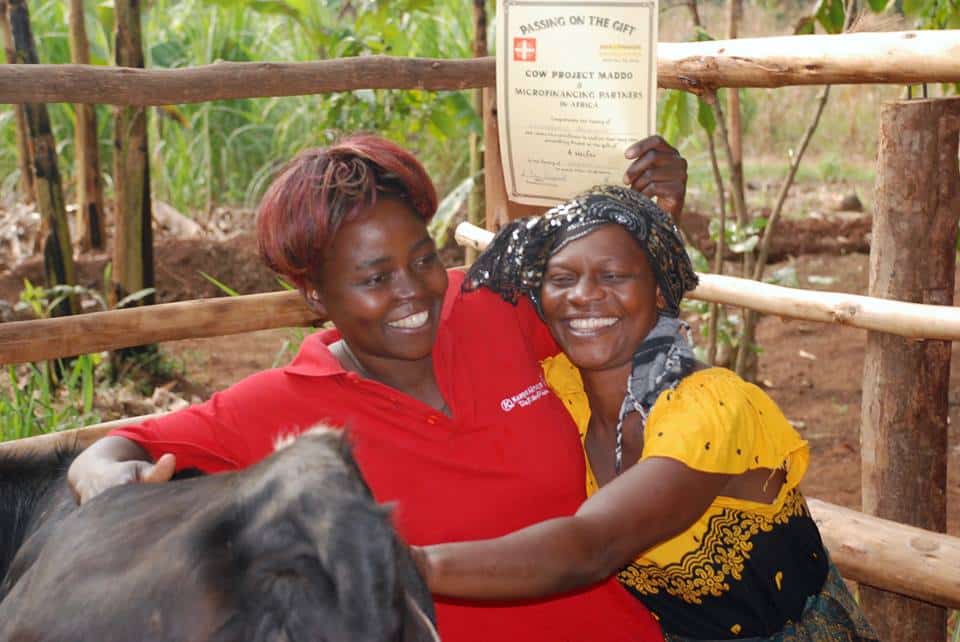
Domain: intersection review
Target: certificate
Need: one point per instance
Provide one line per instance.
(576, 85)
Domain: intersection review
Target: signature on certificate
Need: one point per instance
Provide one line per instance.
(541, 173)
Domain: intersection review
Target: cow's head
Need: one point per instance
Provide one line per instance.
(304, 553)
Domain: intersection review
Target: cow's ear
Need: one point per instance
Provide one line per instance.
(417, 626)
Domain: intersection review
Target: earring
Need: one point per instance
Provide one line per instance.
(314, 295)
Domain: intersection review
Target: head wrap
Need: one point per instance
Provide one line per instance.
(514, 262)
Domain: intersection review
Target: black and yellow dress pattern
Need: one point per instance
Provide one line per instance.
(744, 569)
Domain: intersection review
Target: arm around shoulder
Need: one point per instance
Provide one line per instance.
(648, 504)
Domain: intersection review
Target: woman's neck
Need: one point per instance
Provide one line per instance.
(414, 378)
(606, 390)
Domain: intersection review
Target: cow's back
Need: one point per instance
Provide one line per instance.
(33, 490)
(292, 549)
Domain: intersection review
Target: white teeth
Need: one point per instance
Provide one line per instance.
(592, 323)
(411, 322)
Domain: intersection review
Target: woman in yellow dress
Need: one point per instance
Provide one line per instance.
(692, 475)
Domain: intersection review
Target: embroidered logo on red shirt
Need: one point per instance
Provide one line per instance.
(525, 397)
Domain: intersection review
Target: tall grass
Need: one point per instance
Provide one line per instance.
(31, 404)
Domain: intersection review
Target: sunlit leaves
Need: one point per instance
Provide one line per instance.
(830, 14)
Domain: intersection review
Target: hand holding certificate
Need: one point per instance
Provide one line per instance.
(576, 84)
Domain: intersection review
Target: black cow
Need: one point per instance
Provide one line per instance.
(293, 548)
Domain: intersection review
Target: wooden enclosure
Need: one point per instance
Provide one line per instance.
(892, 557)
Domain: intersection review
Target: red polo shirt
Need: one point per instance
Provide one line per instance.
(510, 456)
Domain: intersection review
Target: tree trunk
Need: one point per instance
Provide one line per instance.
(475, 204)
(89, 191)
(133, 235)
(57, 251)
(905, 383)
(24, 160)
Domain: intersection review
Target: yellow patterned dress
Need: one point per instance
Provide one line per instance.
(743, 569)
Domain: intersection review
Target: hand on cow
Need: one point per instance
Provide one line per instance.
(658, 170)
(114, 461)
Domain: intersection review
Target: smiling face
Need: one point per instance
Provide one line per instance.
(383, 284)
(599, 298)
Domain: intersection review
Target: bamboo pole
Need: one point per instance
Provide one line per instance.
(89, 191)
(133, 231)
(900, 58)
(25, 341)
(57, 249)
(72, 440)
(475, 203)
(24, 157)
(906, 384)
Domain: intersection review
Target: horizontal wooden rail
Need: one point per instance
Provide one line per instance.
(906, 57)
(877, 552)
(913, 320)
(891, 556)
(24, 341)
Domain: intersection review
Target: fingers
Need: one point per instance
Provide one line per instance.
(658, 170)
(161, 470)
(641, 147)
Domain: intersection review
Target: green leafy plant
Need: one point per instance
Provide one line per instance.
(33, 404)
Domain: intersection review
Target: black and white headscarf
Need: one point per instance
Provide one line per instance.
(515, 261)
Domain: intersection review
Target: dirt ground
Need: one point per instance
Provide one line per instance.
(814, 371)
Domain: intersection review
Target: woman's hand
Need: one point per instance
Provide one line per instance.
(658, 170)
(114, 461)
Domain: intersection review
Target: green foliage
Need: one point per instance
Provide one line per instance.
(33, 405)
(739, 239)
(223, 287)
(830, 14)
(934, 14)
(674, 117)
(225, 152)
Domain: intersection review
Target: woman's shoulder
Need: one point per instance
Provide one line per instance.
(713, 389)
(717, 422)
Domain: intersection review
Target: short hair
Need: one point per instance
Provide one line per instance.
(320, 189)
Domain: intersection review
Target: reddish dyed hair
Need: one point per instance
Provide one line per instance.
(322, 188)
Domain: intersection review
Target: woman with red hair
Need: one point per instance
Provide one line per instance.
(441, 390)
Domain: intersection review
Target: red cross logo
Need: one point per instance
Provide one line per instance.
(525, 49)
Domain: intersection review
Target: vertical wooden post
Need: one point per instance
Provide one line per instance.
(133, 235)
(57, 250)
(476, 156)
(24, 160)
(905, 383)
(89, 192)
(499, 210)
